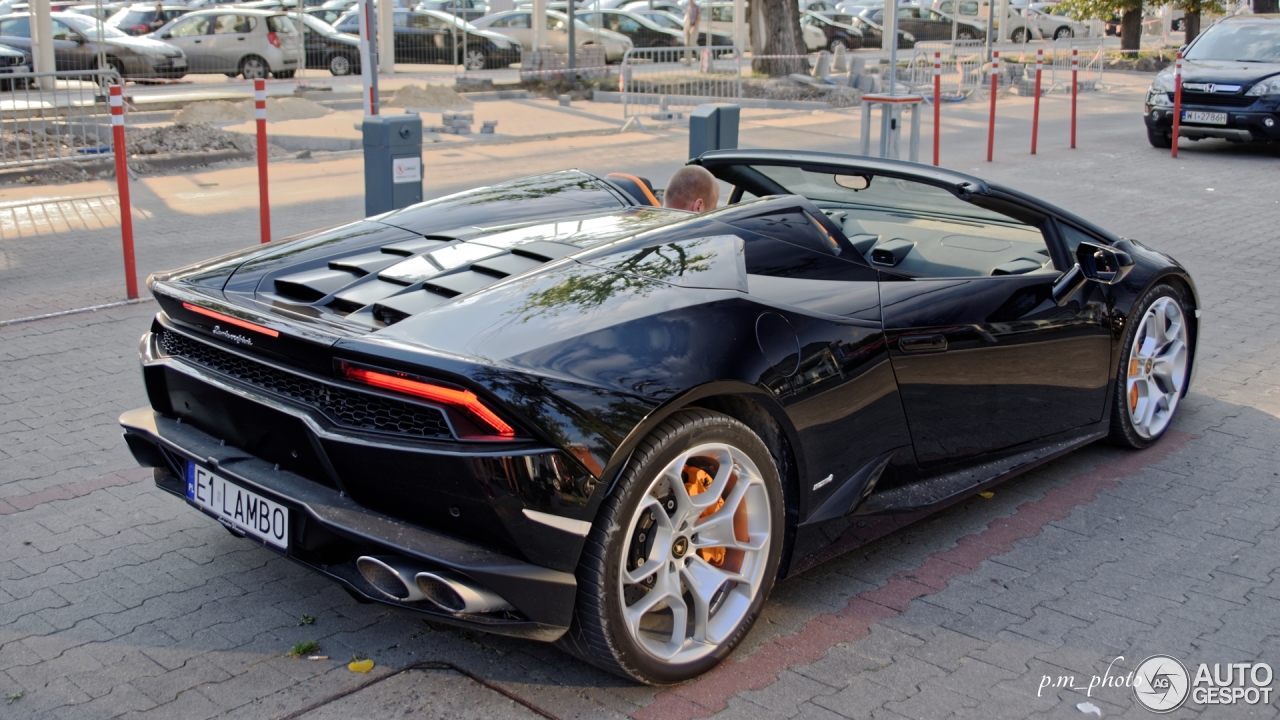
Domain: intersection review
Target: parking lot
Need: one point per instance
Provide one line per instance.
(119, 600)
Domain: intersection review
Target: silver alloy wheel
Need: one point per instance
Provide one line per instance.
(694, 565)
(339, 65)
(837, 43)
(253, 68)
(1063, 32)
(1157, 367)
(474, 60)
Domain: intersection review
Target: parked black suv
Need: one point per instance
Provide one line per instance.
(1230, 85)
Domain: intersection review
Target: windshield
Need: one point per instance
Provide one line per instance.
(317, 25)
(883, 193)
(1239, 41)
(88, 26)
(664, 20)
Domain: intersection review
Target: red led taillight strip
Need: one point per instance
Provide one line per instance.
(464, 400)
(230, 320)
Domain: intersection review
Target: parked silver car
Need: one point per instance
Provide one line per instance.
(236, 41)
(518, 25)
(76, 42)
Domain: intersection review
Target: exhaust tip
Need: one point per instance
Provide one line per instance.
(390, 579)
(458, 595)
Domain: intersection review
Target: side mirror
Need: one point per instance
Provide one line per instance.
(1103, 264)
(1094, 263)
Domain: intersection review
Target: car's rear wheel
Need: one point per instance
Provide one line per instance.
(1020, 36)
(475, 58)
(1159, 139)
(682, 554)
(340, 64)
(254, 67)
(1154, 368)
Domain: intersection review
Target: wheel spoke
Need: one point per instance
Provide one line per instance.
(704, 580)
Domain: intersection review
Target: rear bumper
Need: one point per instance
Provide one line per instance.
(329, 531)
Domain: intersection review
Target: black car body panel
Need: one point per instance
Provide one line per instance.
(1218, 88)
(581, 318)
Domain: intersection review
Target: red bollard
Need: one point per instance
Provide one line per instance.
(991, 127)
(1035, 114)
(1177, 101)
(1075, 86)
(260, 112)
(937, 102)
(122, 184)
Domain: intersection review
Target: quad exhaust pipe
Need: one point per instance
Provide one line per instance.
(404, 582)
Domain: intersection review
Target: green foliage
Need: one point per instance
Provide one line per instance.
(1206, 7)
(306, 620)
(304, 648)
(1098, 9)
(10, 697)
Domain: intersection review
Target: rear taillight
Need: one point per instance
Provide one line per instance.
(464, 400)
(274, 39)
(142, 28)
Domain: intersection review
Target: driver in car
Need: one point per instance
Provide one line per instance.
(692, 188)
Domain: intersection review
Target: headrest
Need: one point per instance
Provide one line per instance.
(639, 189)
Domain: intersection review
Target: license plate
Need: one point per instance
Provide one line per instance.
(1208, 118)
(180, 62)
(232, 505)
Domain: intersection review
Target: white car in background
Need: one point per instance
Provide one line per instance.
(518, 25)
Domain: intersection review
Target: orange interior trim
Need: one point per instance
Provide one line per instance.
(640, 184)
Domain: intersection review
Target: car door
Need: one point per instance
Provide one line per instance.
(519, 27)
(71, 50)
(985, 358)
(191, 35)
(229, 42)
(558, 34)
(428, 37)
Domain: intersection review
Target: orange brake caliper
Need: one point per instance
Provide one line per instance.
(696, 482)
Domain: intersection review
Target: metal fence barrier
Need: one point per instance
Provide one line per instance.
(54, 117)
(678, 76)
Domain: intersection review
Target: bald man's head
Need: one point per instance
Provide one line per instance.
(692, 188)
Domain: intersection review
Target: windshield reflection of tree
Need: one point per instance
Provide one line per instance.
(532, 188)
(639, 274)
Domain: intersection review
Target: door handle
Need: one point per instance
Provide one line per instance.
(196, 42)
(922, 343)
(240, 39)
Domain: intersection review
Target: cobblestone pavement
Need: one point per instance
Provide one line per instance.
(118, 600)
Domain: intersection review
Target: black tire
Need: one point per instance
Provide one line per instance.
(1123, 432)
(253, 67)
(598, 633)
(340, 64)
(835, 43)
(475, 57)
(1020, 36)
(965, 35)
(1160, 139)
(1063, 32)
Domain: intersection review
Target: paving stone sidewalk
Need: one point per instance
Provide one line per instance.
(118, 600)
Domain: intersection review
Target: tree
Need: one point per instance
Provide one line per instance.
(1130, 17)
(777, 32)
(1192, 10)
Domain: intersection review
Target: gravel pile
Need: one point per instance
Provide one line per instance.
(190, 138)
(428, 97)
(222, 112)
(836, 96)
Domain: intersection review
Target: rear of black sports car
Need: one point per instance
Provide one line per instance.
(277, 408)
